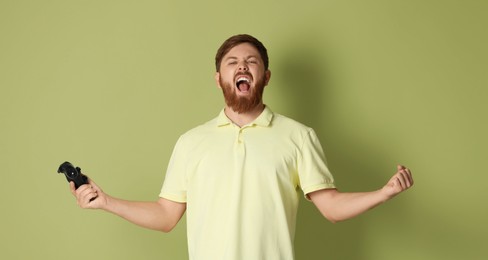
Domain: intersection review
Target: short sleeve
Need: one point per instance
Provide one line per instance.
(175, 183)
(313, 172)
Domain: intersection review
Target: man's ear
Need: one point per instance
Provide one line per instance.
(267, 77)
(217, 79)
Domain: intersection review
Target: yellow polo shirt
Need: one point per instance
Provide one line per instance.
(241, 185)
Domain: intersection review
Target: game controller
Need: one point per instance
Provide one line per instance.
(73, 174)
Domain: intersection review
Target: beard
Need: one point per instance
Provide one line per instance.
(243, 104)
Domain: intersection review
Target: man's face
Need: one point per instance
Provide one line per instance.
(242, 78)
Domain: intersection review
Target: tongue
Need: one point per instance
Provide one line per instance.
(244, 87)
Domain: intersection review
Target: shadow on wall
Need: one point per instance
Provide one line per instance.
(308, 93)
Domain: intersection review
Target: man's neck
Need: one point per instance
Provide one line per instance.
(242, 119)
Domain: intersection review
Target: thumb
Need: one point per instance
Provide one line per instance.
(93, 184)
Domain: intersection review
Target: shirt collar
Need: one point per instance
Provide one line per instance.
(264, 119)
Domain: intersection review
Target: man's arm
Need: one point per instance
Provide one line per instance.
(161, 215)
(338, 206)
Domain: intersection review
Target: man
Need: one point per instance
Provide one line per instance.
(238, 175)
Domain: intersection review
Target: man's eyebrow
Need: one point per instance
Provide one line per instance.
(235, 58)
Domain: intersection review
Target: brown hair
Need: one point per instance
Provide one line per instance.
(236, 40)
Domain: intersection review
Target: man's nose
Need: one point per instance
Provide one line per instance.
(243, 66)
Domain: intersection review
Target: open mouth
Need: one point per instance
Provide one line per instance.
(243, 83)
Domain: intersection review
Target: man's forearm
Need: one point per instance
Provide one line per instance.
(152, 215)
(337, 206)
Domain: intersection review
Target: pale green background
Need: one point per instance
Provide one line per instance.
(110, 85)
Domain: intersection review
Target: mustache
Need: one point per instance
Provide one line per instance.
(245, 73)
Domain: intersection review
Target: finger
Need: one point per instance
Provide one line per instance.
(89, 197)
(81, 189)
(86, 188)
(84, 201)
(406, 179)
(410, 177)
(93, 184)
(401, 181)
(405, 172)
(400, 167)
(72, 188)
(83, 192)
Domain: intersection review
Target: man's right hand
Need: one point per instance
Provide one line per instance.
(85, 193)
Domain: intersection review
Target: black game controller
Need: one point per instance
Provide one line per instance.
(73, 174)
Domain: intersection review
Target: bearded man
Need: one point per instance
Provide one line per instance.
(238, 176)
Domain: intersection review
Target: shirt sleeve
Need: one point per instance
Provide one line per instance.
(313, 172)
(175, 183)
